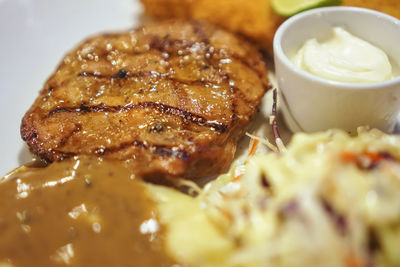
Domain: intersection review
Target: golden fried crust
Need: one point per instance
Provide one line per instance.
(254, 19)
(173, 96)
(391, 7)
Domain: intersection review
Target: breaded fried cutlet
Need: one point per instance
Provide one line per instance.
(391, 7)
(254, 19)
(174, 97)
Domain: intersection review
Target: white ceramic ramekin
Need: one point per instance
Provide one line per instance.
(310, 103)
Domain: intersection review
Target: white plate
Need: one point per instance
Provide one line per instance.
(34, 37)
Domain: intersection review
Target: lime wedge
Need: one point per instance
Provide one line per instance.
(288, 8)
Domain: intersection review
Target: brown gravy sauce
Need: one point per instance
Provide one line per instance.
(79, 212)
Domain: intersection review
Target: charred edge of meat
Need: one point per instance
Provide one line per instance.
(29, 136)
(90, 74)
(160, 150)
(166, 109)
(59, 155)
(121, 74)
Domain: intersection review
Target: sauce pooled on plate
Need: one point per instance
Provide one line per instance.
(78, 212)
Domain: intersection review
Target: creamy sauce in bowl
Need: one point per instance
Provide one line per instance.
(344, 58)
(78, 212)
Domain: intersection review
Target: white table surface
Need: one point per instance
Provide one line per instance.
(34, 37)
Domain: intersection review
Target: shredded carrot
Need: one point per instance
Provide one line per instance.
(263, 141)
(374, 157)
(353, 261)
(237, 178)
(350, 157)
(226, 213)
(253, 148)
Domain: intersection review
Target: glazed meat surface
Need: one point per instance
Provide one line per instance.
(174, 97)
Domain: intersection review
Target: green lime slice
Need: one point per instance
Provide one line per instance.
(288, 8)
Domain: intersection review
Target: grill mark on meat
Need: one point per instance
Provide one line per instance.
(142, 74)
(166, 109)
(183, 98)
(121, 74)
(236, 91)
(167, 45)
(172, 45)
(65, 139)
(157, 149)
(234, 115)
(91, 74)
(120, 69)
(245, 62)
(185, 115)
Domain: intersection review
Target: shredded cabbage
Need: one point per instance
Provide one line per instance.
(328, 200)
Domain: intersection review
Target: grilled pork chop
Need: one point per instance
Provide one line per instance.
(174, 96)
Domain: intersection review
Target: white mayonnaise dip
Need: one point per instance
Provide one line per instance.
(344, 58)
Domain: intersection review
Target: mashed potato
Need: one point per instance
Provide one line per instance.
(329, 200)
